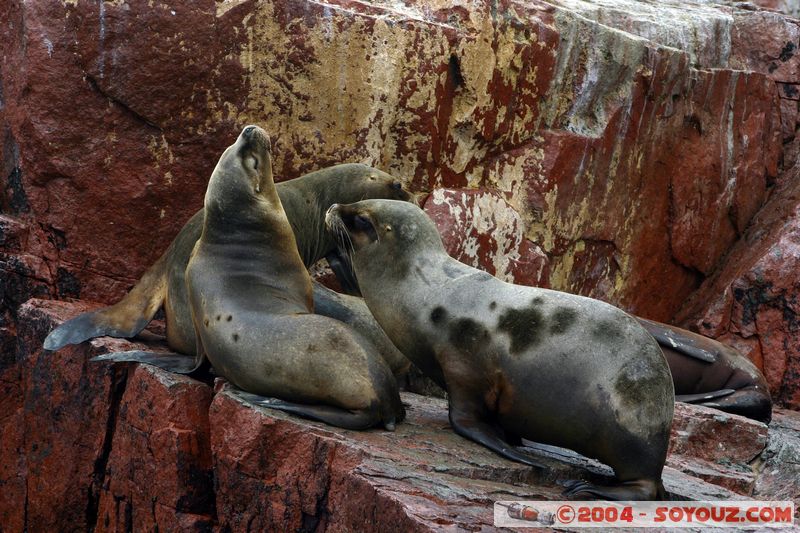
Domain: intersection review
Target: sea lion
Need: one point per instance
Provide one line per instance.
(305, 201)
(707, 372)
(250, 299)
(354, 312)
(517, 362)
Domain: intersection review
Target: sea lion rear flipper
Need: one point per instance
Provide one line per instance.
(340, 264)
(173, 362)
(124, 319)
(702, 397)
(673, 339)
(467, 425)
(334, 416)
(90, 325)
(638, 489)
(752, 403)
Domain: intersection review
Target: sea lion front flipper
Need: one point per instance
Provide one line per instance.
(124, 319)
(340, 264)
(469, 426)
(334, 416)
(703, 397)
(173, 362)
(673, 339)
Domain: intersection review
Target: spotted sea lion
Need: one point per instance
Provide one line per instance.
(517, 362)
(305, 201)
(250, 299)
(707, 372)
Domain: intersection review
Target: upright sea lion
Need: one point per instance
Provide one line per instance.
(517, 362)
(305, 200)
(709, 373)
(250, 299)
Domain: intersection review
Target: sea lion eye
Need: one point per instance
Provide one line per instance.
(396, 185)
(255, 163)
(361, 223)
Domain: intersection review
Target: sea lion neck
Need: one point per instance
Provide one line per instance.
(237, 208)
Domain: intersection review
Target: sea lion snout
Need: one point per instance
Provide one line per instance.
(255, 136)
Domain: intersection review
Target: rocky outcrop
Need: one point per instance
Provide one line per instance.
(620, 155)
(131, 447)
(787, 7)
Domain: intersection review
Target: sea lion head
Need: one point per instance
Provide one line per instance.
(243, 171)
(378, 184)
(383, 231)
(353, 182)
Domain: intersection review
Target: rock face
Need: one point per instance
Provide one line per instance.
(610, 153)
(130, 447)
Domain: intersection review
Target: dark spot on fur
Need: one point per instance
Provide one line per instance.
(637, 381)
(537, 301)
(607, 330)
(493, 306)
(229, 318)
(468, 335)
(524, 326)
(67, 284)
(235, 337)
(438, 315)
(218, 317)
(337, 342)
(562, 319)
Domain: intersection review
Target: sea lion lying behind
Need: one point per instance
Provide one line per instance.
(707, 372)
(517, 362)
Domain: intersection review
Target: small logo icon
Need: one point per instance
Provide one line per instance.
(518, 511)
(566, 514)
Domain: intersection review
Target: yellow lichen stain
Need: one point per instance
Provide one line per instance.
(160, 151)
(353, 83)
(223, 6)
